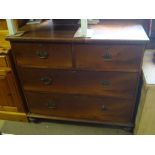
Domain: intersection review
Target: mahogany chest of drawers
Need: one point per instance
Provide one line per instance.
(81, 79)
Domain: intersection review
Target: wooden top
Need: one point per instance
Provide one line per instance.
(149, 67)
(107, 31)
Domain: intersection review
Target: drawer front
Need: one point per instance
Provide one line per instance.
(80, 107)
(109, 58)
(43, 55)
(3, 62)
(80, 82)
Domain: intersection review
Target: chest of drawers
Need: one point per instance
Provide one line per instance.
(81, 79)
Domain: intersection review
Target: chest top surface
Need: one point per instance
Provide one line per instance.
(106, 31)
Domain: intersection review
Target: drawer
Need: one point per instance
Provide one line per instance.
(80, 82)
(43, 55)
(80, 107)
(3, 61)
(109, 58)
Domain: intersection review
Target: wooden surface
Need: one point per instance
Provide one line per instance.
(3, 33)
(73, 67)
(10, 100)
(3, 43)
(5, 92)
(145, 121)
(3, 62)
(3, 51)
(108, 57)
(107, 31)
(3, 24)
(80, 107)
(56, 55)
(86, 121)
(115, 84)
(13, 116)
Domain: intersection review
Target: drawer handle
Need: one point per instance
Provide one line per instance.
(46, 80)
(51, 105)
(103, 108)
(42, 54)
(107, 56)
(105, 83)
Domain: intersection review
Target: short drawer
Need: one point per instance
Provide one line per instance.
(3, 61)
(116, 84)
(109, 58)
(80, 107)
(43, 55)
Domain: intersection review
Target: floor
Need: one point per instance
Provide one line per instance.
(57, 128)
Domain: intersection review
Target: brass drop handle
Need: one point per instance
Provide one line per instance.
(42, 54)
(105, 83)
(107, 56)
(51, 105)
(46, 80)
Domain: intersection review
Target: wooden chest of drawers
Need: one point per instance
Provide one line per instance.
(81, 79)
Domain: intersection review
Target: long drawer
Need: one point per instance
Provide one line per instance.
(80, 107)
(108, 57)
(115, 84)
(43, 55)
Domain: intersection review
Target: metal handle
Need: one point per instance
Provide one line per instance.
(107, 56)
(42, 54)
(46, 80)
(51, 105)
(105, 83)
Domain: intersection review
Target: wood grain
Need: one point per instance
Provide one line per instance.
(78, 78)
(9, 92)
(5, 91)
(80, 107)
(3, 62)
(14, 116)
(80, 82)
(11, 105)
(108, 57)
(3, 43)
(58, 55)
(106, 32)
